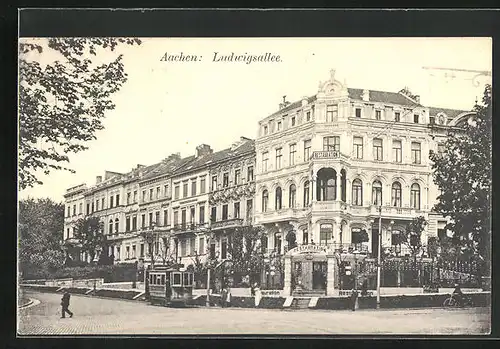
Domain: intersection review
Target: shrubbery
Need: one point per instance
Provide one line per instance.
(110, 273)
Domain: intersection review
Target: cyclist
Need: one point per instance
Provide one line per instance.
(458, 295)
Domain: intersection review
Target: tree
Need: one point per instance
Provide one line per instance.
(62, 102)
(463, 175)
(89, 233)
(411, 237)
(244, 250)
(41, 225)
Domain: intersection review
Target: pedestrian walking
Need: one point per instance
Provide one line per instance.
(65, 305)
(223, 297)
(354, 299)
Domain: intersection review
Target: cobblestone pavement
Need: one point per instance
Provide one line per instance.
(111, 317)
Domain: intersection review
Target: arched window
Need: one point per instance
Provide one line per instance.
(327, 185)
(357, 192)
(117, 223)
(291, 199)
(415, 196)
(110, 226)
(278, 201)
(265, 200)
(396, 194)
(377, 193)
(306, 194)
(325, 233)
(343, 185)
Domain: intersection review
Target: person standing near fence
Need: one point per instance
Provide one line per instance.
(65, 305)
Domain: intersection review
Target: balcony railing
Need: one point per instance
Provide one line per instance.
(228, 223)
(325, 154)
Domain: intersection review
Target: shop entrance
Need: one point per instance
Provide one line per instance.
(319, 275)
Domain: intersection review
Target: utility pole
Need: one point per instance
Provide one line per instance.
(378, 254)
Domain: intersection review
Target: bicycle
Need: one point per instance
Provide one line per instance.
(451, 301)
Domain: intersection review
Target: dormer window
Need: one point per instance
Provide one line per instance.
(279, 126)
(266, 130)
(415, 118)
(378, 114)
(293, 120)
(358, 112)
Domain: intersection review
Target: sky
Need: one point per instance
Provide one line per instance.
(170, 107)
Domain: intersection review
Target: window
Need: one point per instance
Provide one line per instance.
(88, 209)
(176, 192)
(158, 190)
(202, 215)
(135, 195)
(237, 177)
(212, 251)
(143, 220)
(193, 187)
(396, 194)
(176, 218)
(308, 116)
(192, 242)
(277, 243)
(397, 116)
(325, 233)
(358, 147)
(183, 218)
(213, 215)
(127, 223)
(441, 148)
(307, 149)
(249, 209)
(264, 243)
(265, 200)
(92, 208)
(165, 218)
(202, 185)
(103, 202)
(134, 223)
(143, 195)
(193, 215)
(117, 223)
(432, 120)
(110, 230)
(150, 218)
(118, 254)
(377, 149)
(223, 250)
(306, 194)
(69, 211)
(415, 196)
(117, 199)
(358, 112)
(396, 238)
(201, 245)
(305, 237)
(378, 114)
(278, 201)
(80, 207)
(278, 158)
(111, 202)
(292, 194)
(127, 252)
(396, 151)
(165, 190)
(415, 153)
(279, 126)
(74, 210)
(293, 120)
(377, 193)
(225, 180)
(250, 174)
(331, 143)
(265, 130)
(293, 150)
(150, 193)
(134, 255)
(357, 192)
(331, 113)
(184, 189)
(214, 183)
(183, 249)
(236, 210)
(224, 212)
(415, 118)
(128, 198)
(157, 217)
(97, 205)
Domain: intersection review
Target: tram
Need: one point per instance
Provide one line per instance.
(170, 286)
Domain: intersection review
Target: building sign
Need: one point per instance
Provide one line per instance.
(332, 154)
(308, 249)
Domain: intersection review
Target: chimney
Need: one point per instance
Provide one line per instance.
(140, 166)
(366, 95)
(285, 103)
(203, 149)
(173, 157)
(244, 139)
(417, 99)
(98, 179)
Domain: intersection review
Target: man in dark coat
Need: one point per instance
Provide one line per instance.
(65, 305)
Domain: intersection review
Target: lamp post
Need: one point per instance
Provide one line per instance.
(355, 252)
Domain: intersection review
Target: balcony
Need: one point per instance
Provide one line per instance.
(182, 228)
(228, 223)
(395, 212)
(285, 214)
(328, 205)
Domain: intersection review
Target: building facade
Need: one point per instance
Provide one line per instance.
(322, 171)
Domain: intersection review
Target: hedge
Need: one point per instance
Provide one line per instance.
(52, 289)
(110, 273)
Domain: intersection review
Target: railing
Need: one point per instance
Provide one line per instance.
(234, 222)
(325, 154)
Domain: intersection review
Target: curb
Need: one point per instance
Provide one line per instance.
(30, 304)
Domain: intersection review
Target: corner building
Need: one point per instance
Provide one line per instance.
(326, 164)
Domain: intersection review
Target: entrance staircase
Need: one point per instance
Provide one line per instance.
(300, 303)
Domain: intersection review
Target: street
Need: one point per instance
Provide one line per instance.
(112, 317)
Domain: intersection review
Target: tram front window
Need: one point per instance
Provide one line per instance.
(186, 279)
(177, 279)
(163, 279)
